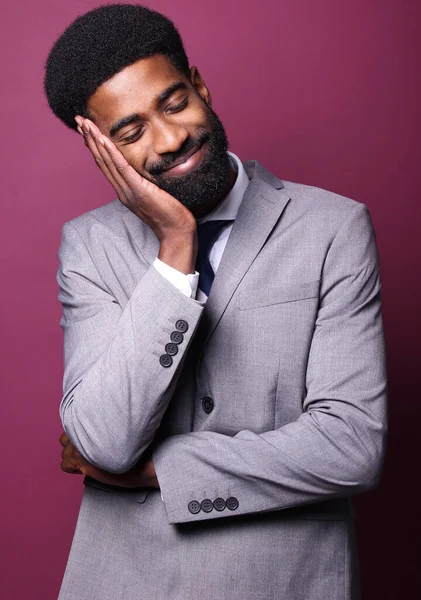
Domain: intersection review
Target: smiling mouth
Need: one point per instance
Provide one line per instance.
(187, 163)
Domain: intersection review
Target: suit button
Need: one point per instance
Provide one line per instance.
(207, 404)
(207, 505)
(232, 503)
(182, 326)
(176, 337)
(165, 360)
(194, 507)
(171, 349)
(219, 504)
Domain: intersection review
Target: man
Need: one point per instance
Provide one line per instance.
(222, 421)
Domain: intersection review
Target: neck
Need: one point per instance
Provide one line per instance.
(202, 211)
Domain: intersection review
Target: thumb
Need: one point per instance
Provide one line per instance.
(102, 476)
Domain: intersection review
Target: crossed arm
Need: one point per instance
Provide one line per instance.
(141, 475)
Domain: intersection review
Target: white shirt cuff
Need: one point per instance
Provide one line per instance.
(187, 284)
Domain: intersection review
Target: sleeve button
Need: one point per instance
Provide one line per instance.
(182, 325)
(176, 337)
(232, 503)
(207, 505)
(194, 507)
(165, 360)
(219, 504)
(171, 349)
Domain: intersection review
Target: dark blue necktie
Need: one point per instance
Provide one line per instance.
(207, 234)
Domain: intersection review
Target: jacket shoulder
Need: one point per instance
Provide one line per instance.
(311, 198)
(109, 221)
(108, 215)
(322, 210)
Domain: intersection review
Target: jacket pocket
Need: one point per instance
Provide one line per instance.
(270, 295)
(133, 494)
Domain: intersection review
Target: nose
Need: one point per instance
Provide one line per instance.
(168, 137)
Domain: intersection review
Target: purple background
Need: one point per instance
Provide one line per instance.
(322, 92)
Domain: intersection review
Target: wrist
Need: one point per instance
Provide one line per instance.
(179, 252)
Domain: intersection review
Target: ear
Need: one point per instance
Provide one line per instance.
(200, 86)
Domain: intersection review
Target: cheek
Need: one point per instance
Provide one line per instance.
(196, 115)
(134, 156)
(200, 115)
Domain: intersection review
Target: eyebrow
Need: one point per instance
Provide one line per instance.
(174, 87)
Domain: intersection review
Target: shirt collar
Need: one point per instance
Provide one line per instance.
(228, 209)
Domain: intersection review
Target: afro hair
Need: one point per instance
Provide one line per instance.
(101, 43)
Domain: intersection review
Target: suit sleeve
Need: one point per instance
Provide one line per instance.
(336, 447)
(116, 384)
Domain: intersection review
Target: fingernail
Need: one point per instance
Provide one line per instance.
(78, 121)
(102, 141)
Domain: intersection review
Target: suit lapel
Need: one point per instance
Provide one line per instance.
(260, 210)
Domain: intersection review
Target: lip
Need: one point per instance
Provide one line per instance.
(187, 163)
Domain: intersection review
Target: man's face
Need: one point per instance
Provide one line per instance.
(163, 125)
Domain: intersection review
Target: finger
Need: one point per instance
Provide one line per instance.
(65, 453)
(111, 166)
(121, 166)
(79, 121)
(71, 463)
(81, 133)
(70, 468)
(87, 470)
(103, 145)
(64, 439)
(98, 155)
(91, 471)
(69, 452)
(99, 475)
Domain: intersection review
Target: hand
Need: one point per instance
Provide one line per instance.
(173, 224)
(141, 475)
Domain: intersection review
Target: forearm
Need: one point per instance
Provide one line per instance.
(116, 385)
(119, 372)
(318, 457)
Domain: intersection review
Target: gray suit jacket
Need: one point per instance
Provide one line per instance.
(266, 413)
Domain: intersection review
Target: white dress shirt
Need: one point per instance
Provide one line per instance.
(227, 210)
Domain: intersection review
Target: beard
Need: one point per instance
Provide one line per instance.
(207, 182)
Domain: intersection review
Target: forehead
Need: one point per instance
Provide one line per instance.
(133, 90)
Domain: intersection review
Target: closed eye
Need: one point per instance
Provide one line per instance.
(177, 107)
(133, 137)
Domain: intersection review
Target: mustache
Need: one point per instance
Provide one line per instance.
(166, 163)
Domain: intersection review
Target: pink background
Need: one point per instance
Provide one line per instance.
(324, 92)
